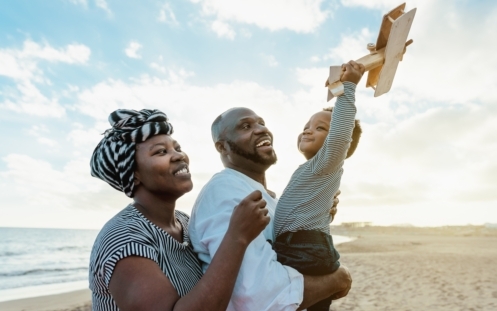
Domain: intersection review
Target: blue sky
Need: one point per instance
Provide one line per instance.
(428, 153)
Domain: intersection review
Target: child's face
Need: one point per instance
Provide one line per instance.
(314, 134)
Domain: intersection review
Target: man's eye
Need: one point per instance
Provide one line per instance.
(245, 126)
(178, 149)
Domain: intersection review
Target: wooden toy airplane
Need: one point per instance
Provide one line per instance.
(384, 57)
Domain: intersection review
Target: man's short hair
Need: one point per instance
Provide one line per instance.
(216, 128)
(356, 134)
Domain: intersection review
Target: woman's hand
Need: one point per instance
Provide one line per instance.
(249, 218)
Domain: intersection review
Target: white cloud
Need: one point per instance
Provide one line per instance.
(223, 30)
(296, 15)
(315, 59)
(351, 47)
(270, 60)
(383, 5)
(38, 131)
(102, 4)
(22, 66)
(80, 2)
(132, 50)
(72, 54)
(29, 100)
(166, 15)
(53, 197)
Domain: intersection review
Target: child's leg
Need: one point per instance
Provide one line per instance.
(310, 252)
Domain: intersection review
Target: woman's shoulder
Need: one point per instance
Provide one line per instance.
(124, 228)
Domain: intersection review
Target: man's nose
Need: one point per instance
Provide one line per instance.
(261, 129)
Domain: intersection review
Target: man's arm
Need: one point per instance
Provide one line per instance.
(262, 282)
(317, 288)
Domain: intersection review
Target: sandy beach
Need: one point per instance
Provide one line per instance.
(393, 268)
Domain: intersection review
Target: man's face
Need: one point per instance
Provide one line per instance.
(249, 141)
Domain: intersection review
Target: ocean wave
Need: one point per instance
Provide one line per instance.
(9, 254)
(41, 271)
(67, 248)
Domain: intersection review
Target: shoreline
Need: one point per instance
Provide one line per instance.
(78, 300)
(28, 292)
(393, 268)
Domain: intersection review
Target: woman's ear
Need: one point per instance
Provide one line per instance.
(136, 179)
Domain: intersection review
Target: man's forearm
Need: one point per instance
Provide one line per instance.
(317, 288)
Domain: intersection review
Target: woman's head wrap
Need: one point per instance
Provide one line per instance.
(113, 159)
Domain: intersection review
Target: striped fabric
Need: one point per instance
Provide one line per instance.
(307, 199)
(129, 233)
(113, 159)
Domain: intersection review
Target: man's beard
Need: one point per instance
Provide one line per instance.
(252, 156)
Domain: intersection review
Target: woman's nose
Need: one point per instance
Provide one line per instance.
(178, 156)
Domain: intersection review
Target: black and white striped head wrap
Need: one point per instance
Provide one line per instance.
(113, 159)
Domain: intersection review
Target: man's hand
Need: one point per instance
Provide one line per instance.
(352, 72)
(333, 209)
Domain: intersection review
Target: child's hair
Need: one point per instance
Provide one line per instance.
(356, 134)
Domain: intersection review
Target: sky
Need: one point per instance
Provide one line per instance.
(427, 156)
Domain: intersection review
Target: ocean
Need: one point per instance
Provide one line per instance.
(39, 262)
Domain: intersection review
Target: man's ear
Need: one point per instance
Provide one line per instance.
(221, 146)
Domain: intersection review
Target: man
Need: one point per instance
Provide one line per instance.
(245, 146)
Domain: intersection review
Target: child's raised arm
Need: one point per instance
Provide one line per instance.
(333, 152)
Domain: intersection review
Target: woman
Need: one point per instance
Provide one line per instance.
(142, 258)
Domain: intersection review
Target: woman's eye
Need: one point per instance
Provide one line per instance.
(178, 149)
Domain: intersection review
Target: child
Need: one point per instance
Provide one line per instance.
(302, 218)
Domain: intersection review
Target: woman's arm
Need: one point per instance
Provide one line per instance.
(139, 284)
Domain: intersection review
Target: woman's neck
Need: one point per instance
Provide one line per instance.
(161, 212)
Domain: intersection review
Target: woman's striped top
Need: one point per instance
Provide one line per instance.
(307, 199)
(129, 233)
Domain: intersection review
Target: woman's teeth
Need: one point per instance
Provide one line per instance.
(181, 171)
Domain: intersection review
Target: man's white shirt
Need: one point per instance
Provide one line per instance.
(262, 283)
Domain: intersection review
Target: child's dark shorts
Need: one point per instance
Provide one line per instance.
(310, 252)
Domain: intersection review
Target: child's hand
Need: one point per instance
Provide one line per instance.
(352, 72)
(334, 210)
